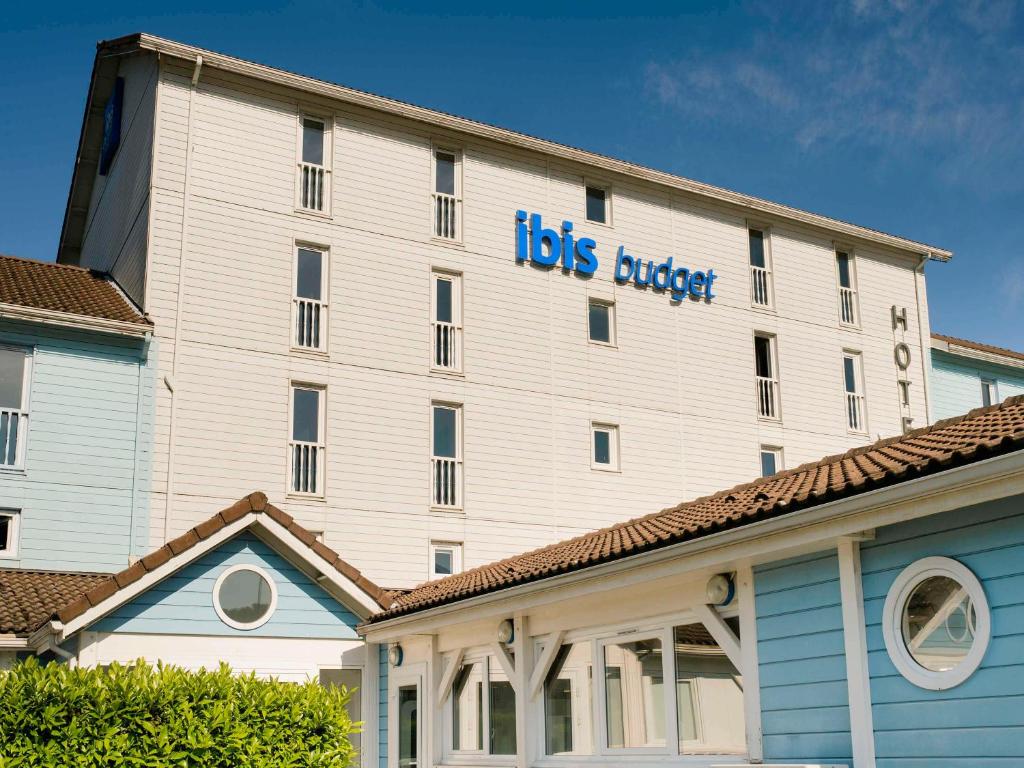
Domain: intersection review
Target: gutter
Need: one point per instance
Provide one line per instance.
(71, 320)
(161, 46)
(839, 512)
(9, 642)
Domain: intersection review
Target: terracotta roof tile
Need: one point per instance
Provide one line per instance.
(982, 433)
(979, 346)
(29, 598)
(63, 288)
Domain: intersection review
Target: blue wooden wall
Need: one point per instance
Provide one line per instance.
(804, 711)
(956, 383)
(980, 723)
(183, 603)
(83, 493)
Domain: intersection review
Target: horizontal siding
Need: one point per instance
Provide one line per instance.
(87, 451)
(981, 721)
(802, 665)
(183, 603)
(956, 382)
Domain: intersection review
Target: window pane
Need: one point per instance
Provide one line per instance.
(443, 300)
(443, 562)
(843, 260)
(312, 142)
(5, 532)
(12, 377)
(408, 727)
(602, 446)
(244, 596)
(352, 680)
(635, 694)
(763, 356)
(709, 695)
(596, 205)
(756, 238)
(306, 415)
(468, 708)
(849, 375)
(768, 465)
(988, 393)
(444, 432)
(600, 322)
(938, 623)
(567, 702)
(502, 711)
(444, 181)
(309, 282)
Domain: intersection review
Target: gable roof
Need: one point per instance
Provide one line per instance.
(977, 346)
(74, 291)
(980, 434)
(29, 598)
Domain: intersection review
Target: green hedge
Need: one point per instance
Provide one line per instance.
(54, 716)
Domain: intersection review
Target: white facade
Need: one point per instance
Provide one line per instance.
(222, 225)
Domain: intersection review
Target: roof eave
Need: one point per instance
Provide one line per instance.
(139, 329)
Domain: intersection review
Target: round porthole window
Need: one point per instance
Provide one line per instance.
(936, 623)
(245, 597)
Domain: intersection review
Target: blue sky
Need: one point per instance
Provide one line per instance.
(902, 116)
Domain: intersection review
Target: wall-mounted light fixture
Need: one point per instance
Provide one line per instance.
(395, 655)
(720, 590)
(506, 632)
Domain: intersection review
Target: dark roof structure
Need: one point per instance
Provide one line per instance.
(29, 598)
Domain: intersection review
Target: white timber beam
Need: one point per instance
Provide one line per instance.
(858, 681)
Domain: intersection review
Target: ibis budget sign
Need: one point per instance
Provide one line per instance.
(548, 247)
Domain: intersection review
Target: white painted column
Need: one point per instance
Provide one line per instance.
(750, 670)
(523, 649)
(368, 757)
(858, 681)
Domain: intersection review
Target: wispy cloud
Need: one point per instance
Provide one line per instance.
(942, 79)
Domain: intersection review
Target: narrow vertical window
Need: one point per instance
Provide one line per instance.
(568, 692)
(408, 710)
(601, 321)
(9, 532)
(306, 447)
(766, 377)
(760, 271)
(771, 460)
(310, 303)
(15, 372)
(604, 446)
(597, 204)
(446, 326)
(445, 559)
(989, 395)
(853, 383)
(847, 288)
(446, 458)
(314, 173)
(447, 202)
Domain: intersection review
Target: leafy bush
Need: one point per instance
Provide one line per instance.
(54, 716)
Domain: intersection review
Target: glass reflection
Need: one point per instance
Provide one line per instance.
(634, 694)
(567, 702)
(939, 623)
(709, 695)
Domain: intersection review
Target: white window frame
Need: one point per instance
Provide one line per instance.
(613, 446)
(853, 297)
(457, 461)
(325, 169)
(605, 187)
(776, 451)
(241, 624)
(13, 533)
(400, 677)
(483, 756)
(991, 386)
(856, 399)
(612, 324)
(892, 622)
(769, 274)
(24, 412)
(320, 445)
(323, 304)
(446, 332)
(446, 210)
(766, 387)
(455, 547)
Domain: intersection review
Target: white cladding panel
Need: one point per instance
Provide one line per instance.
(679, 384)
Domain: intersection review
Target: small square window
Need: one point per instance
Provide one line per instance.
(9, 519)
(604, 446)
(771, 460)
(445, 559)
(601, 321)
(597, 204)
(989, 394)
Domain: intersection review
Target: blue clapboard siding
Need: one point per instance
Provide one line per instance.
(183, 603)
(382, 661)
(979, 723)
(804, 710)
(83, 494)
(956, 383)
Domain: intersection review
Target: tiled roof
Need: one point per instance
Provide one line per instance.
(63, 288)
(29, 598)
(982, 433)
(979, 346)
(254, 502)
